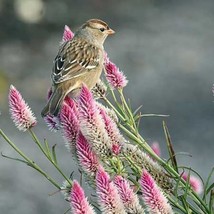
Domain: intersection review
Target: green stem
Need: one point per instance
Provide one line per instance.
(36, 140)
(127, 109)
(30, 162)
(117, 112)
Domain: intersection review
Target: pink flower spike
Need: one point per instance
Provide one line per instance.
(156, 148)
(21, 113)
(113, 132)
(69, 124)
(79, 203)
(114, 76)
(127, 195)
(153, 197)
(67, 35)
(87, 158)
(91, 124)
(195, 182)
(108, 196)
(52, 122)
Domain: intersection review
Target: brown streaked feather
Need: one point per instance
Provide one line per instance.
(70, 63)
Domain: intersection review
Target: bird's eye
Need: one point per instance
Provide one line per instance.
(102, 29)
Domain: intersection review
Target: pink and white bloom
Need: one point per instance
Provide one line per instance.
(114, 76)
(67, 35)
(87, 158)
(108, 196)
(156, 148)
(92, 125)
(194, 182)
(127, 195)
(153, 197)
(113, 132)
(143, 160)
(69, 123)
(21, 113)
(52, 122)
(79, 203)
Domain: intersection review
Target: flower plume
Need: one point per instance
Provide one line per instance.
(69, 123)
(91, 124)
(142, 160)
(52, 122)
(79, 203)
(153, 197)
(127, 195)
(21, 113)
(114, 76)
(113, 132)
(87, 158)
(67, 35)
(108, 196)
(194, 182)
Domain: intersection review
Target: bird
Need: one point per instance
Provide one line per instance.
(79, 61)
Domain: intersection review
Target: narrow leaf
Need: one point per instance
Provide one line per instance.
(211, 203)
(207, 183)
(15, 159)
(47, 148)
(54, 153)
(170, 147)
(210, 188)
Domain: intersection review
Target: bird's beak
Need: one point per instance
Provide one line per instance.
(110, 31)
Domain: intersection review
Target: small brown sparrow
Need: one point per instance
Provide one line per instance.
(79, 60)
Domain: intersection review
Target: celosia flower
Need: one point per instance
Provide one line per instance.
(156, 148)
(91, 124)
(52, 122)
(127, 195)
(69, 124)
(87, 158)
(153, 197)
(21, 113)
(113, 132)
(108, 196)
(194, 182)
(142, 160)
(79, 203)
(67, 35)
(114, 76)
(108, 111)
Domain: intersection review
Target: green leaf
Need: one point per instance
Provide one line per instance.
(54, 153)
(209, 188)
(207, 183)
(47, 148)
(15, 159)
(170, 147)
(211, 203)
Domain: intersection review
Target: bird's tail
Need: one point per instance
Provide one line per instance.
(54, 104)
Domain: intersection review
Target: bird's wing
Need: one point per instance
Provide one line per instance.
(75, 58)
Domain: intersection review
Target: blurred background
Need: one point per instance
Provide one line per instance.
(164, 47)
